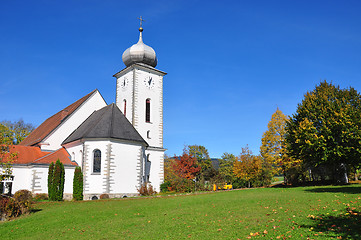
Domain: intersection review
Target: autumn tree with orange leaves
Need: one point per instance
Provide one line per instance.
(180, 172)
(186, 166)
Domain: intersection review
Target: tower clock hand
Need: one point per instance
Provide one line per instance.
(150, 81)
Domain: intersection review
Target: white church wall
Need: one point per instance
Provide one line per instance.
(120, 168)
(39, 179)
(69, 177)
(22, 178)
(127, 159)
(156, 177)
(94, 181)
(35, 178)
(54, 140)
(75, 150)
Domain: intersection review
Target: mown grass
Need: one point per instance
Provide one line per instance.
(269, 213)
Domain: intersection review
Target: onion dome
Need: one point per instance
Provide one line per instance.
(140, 53)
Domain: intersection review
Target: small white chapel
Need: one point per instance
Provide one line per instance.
(118, 146)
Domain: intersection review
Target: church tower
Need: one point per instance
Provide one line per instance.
(139, 95)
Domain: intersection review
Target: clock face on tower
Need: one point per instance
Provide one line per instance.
(149, 82)
(124, 83)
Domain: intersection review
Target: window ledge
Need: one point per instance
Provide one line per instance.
(95, 173)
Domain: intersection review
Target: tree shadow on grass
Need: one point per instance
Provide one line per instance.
(343, 226)
(349, 189)
(35, 210)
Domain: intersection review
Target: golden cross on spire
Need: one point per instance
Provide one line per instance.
(141, 21)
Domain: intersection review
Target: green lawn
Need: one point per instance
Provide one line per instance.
(269, 213)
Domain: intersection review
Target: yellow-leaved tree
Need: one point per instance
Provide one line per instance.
(272, 149)
(247, 166)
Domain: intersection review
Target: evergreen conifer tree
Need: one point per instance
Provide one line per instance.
(78, 184)
(50, 181)
(58, 181)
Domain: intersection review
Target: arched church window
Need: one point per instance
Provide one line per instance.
(147, 110)
(125, 107)
(97, 161)
(148, 134)
(147, 169)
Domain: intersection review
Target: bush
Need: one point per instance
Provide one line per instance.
(23, 196)
(14, 207)
(23, 199)
(146, 190)
(104, 196)
(166, 186)
(40, 197)
(183, 185)
(78, 184)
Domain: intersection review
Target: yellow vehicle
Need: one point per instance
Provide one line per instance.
(227, 186)
(222, 187)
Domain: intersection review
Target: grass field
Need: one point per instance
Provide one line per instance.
(268, 213)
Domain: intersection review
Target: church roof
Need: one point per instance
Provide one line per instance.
(108, 122)
(34, 155)
(60, 154)
(52, 123)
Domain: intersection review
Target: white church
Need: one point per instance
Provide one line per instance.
(119, 146)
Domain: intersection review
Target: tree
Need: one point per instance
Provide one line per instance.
(186, 166)
(325, 131)
(247, 166)
(78, 184)
(50, 181)
(226, 167)
(179, 172)
(201, 153)
(272, 148)
(17, 130)
(6, 156)
(56, 183)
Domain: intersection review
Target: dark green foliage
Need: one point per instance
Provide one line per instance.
(50, 181)
(325, 132)
(78, 184)
(56, 179)
(166, 186)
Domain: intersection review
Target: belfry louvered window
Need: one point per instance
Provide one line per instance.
(147, 110)
(97, 161)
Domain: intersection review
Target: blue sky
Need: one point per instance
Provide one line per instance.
(230, 64)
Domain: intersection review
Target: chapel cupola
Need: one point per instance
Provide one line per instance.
(140, 53)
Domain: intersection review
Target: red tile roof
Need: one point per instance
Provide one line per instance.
(26, 154)
(34, 155)
(51, 123)
(60, 154)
